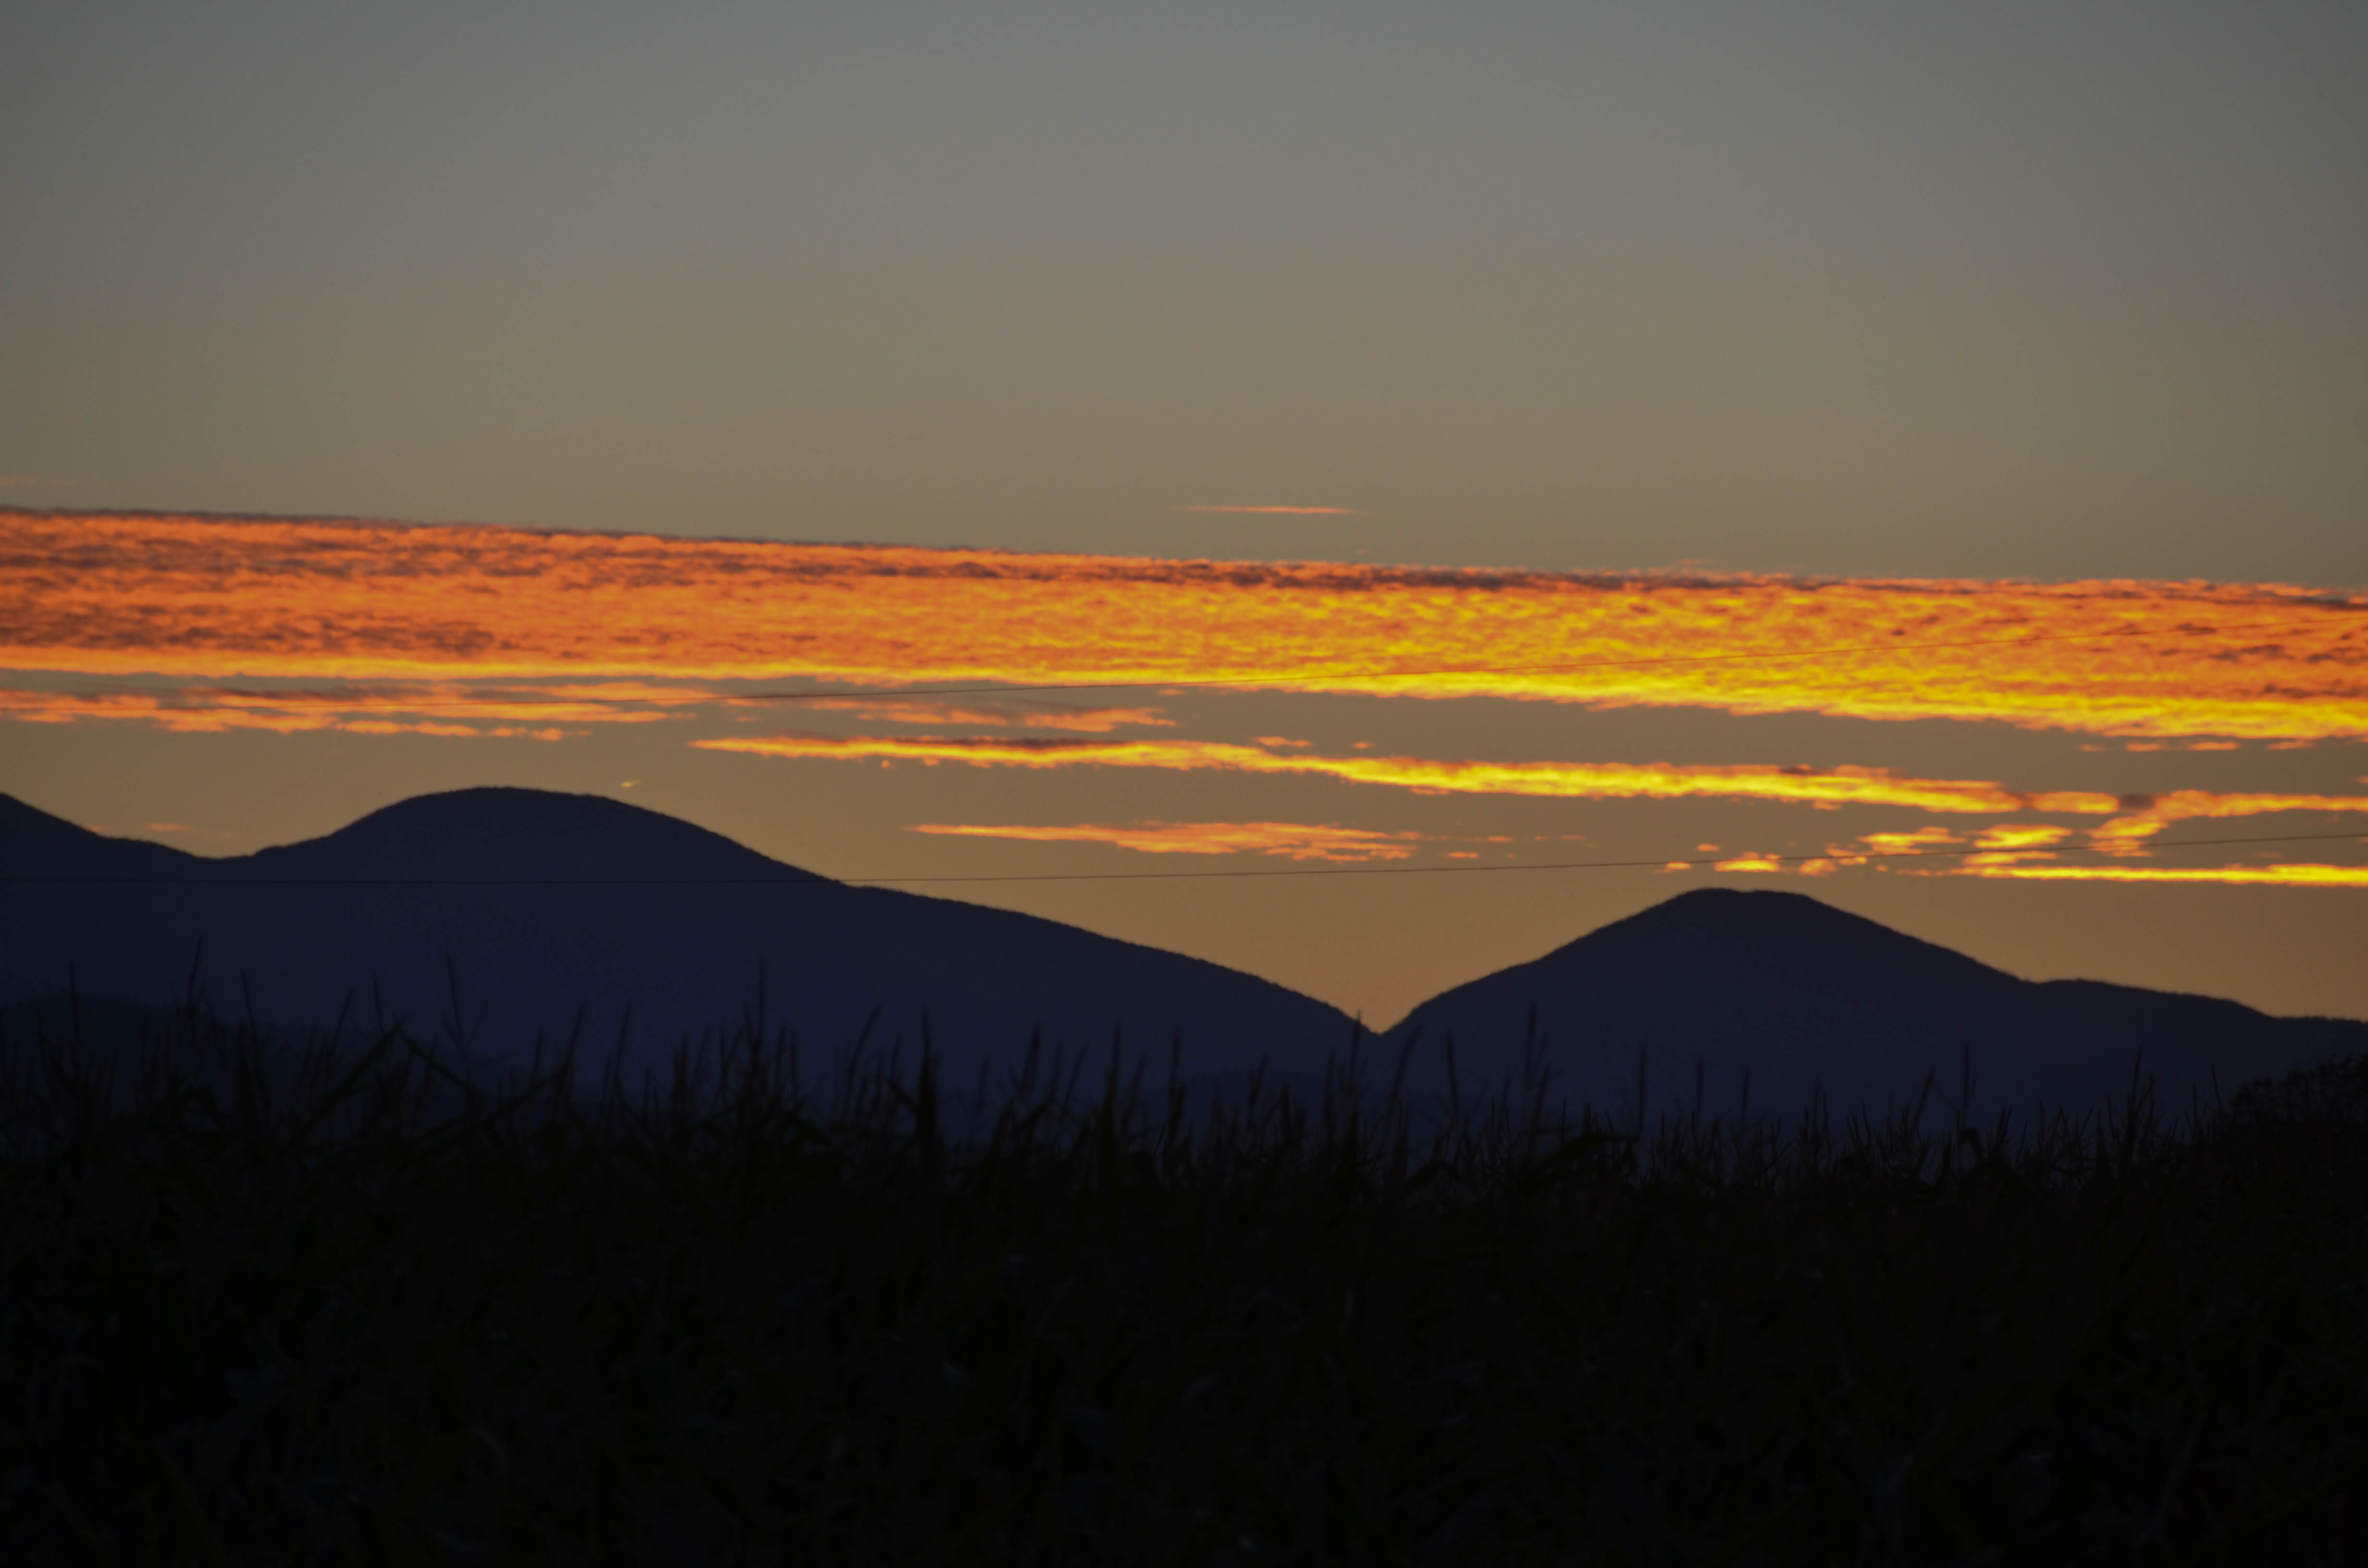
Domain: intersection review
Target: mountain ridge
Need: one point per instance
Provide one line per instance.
(659, 929)
(1810, 1000)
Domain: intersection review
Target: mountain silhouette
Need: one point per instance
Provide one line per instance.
(545, 906)
(1809, 1000)
(504, 915)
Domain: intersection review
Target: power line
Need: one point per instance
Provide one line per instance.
(1281, 677)
(814, 880)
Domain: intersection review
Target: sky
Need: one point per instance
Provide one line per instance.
(1912, 454)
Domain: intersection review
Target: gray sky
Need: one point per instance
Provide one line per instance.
(2010, 289)
(2013, 289)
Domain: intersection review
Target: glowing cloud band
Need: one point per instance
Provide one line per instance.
(1279, 511)
(2159, 811)
(1295, 841)
(212, 599)
(381, 709)
(1583, 780)
(1830, 788)
(2291, 875)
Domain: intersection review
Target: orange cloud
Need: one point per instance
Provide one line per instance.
(1905, 843)
(209, 598)
(1279, 511)
(1581, 780)
(1296, 841)
(2288, 875)
(2022, 835)
(440, 711)
(1012, 711)
(2131, 831)
(2018, 865)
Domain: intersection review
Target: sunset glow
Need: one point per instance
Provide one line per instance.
(209, 599)
(1290, 840)
(388, 709)
(1279, 511)
(2022, 835)
(1574, 781)
(202, 625)
(2288, 875)
(1013, 711)
(2183, 805)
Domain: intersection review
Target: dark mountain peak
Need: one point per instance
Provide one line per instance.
(35, 844)
(1735, 902)
(29, 823)
(1723, 987)
(1733, 935)
(681, 931)
(494, 832)
(497, 810)
(1755, 912)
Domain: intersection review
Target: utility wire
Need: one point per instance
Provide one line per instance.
(811, 880)
(1279, 677)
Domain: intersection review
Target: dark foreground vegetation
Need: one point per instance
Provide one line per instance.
(351, 1314)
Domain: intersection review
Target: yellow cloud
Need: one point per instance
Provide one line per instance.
(1296, 841)
(1838, 786)
(2287, 875)
(206, 598)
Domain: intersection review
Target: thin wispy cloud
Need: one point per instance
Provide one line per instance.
(381, 708)
(1276, 511)
(1830, 788)
(1289, 840)
(2287, 874)
(209, 598)
(2019, 835)
(2019, 867)
(2156, 812)
(1009, 711)
(1905, 842)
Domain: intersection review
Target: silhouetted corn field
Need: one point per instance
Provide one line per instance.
(346, 1308)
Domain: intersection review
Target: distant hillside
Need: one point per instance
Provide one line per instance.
(1806, 997)
(546, 904)
(549, 905)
